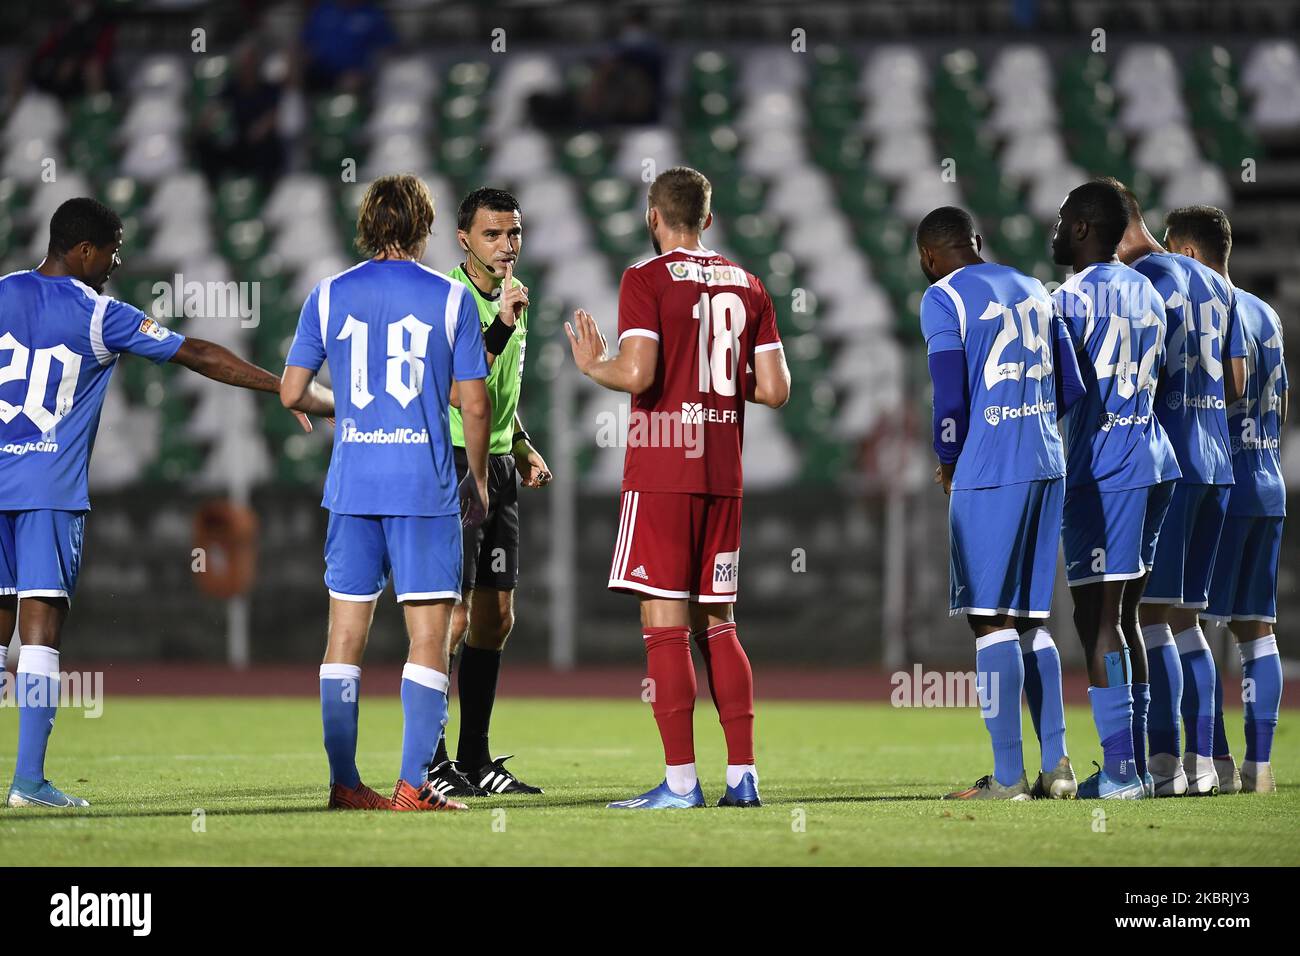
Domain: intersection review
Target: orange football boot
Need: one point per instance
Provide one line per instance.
(360, 797)
(406, 797)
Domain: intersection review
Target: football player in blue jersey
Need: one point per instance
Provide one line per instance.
(60, 338)
(1243, 587)
(1121, 466)
(396, 335)
(1204, 371)
(1001, 365)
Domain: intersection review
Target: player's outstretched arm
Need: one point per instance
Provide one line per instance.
(771, 379)
(632, 370)
(222, 365)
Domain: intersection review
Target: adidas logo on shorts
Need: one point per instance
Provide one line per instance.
(639, 572)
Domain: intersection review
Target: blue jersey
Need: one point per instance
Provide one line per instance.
(1117, 321)
(1003, 322)
(1254, 422)
(59, 341)
(1189, 398)
(395, 334)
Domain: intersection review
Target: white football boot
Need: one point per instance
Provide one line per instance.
(1202, 778)
(1226, 770)
(1167, 772)
(1257, 777)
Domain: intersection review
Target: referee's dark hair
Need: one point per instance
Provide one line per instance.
(1102, 207)
(946, 227)
(485, 197)
(83, 220)
(395, 217)
(1205, 228)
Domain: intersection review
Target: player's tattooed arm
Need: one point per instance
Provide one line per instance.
(632, 370)
(222, 365)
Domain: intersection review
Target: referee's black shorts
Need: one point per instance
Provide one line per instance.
(491, 551)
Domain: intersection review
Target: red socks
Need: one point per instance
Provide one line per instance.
(732, 684)
(670, 668)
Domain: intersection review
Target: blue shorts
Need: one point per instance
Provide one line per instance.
(422, 553)
(1112, 535)
(40, 552)
(1244, 584)
(1188, 543)
(1003, 548)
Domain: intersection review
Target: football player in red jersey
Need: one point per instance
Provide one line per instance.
(697, 339)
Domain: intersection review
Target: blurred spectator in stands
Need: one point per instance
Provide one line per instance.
(626, 86)
(239, 130)
(341, 43)
(75, 57)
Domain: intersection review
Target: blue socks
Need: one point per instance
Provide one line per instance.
(1001, 676)
(1112, 712)
(1165, 676)
(340, 691)
(1042, 665)
(1220, 745)
(1198, 690)
(1141, 704)
(38, 698)
(424, 712)
(1261, 681)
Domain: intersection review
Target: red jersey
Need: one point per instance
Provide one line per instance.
(710, 317)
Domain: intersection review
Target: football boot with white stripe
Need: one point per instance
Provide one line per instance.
(494, 778)
(449, 780)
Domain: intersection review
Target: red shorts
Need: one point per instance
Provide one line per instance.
(681, 546)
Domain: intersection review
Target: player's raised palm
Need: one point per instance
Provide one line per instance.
(585, 340)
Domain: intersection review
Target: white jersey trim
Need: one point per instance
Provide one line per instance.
(96, 334)
(323, 301)
(639, 333)
(102, 355)
(451, 312)
(960, 306)
(1073, 285)
(768, 347)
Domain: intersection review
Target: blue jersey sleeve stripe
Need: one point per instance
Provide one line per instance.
(945, 285)
(451, 312)
(323, 309)
(102, 355)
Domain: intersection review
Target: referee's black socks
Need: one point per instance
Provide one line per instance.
(477, 681)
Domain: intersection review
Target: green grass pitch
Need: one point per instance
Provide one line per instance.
(842, 783)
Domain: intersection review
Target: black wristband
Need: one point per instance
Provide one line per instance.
(520, 435)
(497, 335)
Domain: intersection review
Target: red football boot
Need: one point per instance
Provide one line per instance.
(360, 797)
(406, 797)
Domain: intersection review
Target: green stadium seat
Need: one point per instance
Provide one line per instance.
(470, 78)
(584, 155)
(238, 197)
(211, 74)
(710, 71)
